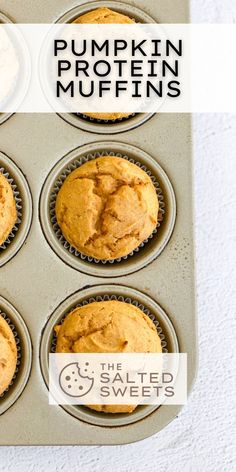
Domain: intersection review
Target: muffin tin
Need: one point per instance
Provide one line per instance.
(45, 280)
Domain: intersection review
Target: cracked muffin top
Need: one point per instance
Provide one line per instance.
(8, 355)
(107, 207)
(111, 327)
(104, 16)
(8, 213)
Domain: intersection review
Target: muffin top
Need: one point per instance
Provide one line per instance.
(8, 355)
(105, 16)
(8, 213)
(111, 327)
(108, 326)
(107, 207)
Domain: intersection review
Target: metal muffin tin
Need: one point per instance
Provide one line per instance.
(43, 284)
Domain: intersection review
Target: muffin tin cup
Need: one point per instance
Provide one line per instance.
(23, 201)
(106, 127)
(18, 203)
(18, 348)
(147, 251)
(24, 355)
(162, 322)
(4, 117)
(94, 125)
(78, 163)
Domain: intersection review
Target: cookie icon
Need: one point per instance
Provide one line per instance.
(73, 382)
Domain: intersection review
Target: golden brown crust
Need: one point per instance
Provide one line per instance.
(113, 408)
(107, 116)
(104, 16)
(108, 326)
(8, 355)
(107, 207)
(8, 213)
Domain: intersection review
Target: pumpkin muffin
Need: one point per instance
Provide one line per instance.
(8, 213)
(108, 327)
(104, 16)
(107, 207)
(8, 355)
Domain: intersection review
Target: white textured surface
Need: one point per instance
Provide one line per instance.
(203, 438)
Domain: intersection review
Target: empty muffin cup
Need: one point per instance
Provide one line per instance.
(141, 256)
(99, 126)
(98, 293)
(23, 202)
(24, 355)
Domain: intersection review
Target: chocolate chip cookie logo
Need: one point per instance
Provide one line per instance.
(75, 381)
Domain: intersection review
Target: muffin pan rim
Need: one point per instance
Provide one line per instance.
(112, 127)
(27, 209)
(83, 413)
(121, 7)
(123, 126)
(91, 268)
(23, 375)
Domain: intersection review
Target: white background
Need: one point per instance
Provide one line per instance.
(203, 438)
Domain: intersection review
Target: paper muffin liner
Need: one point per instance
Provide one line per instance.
(18, 201)
(58, 184)
(104, 122)
(120, 298)
(18, 347)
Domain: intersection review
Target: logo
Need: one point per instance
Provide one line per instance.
(75, 379)
(117, 378)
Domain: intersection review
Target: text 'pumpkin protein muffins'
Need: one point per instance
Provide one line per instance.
(108, 327)
(104, 16)
(107, 207)
(8, 212)
(8, 355)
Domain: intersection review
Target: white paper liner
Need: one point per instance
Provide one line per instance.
(120, 298)
(18, 347)
(58, 184)
(18, 201)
